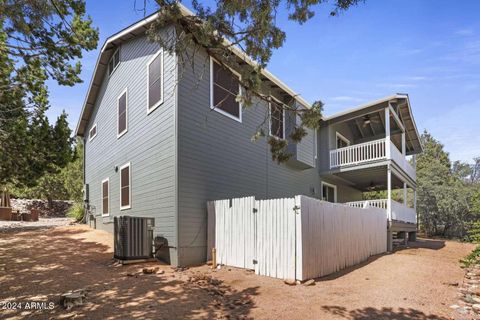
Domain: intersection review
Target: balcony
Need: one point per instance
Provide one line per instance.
(399, 212)
(370, 152)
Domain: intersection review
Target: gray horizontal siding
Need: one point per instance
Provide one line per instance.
(217, 160)
(149, 144)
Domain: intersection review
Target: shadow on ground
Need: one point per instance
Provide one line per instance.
(383, 313)
(432, 244)
(419, 244)
(41, 265)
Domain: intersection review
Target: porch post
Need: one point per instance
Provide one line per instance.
(387, 132)
(389, 193)
(415, 204)
(405, 194)
(404, 147)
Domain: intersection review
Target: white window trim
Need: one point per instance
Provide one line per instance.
(155, 106)
(342, 137)
(212, 107)
(90, 138)
(129, 186)
(108, 181)
(111, 58)
(331, 186)
(270, 118)
(126, 113)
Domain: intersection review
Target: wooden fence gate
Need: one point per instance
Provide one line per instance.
(293, 238)
(246, 229)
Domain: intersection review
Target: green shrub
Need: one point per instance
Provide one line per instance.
(473, 235)
(472, 258)
(76, 211)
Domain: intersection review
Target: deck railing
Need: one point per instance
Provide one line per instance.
(400, 159)
(369, 151)
(400, 212)
(377, 203)
(358, 153)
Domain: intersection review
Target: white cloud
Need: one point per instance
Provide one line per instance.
(465, 32)
(396, 85)
(346, 99)
(417, 78)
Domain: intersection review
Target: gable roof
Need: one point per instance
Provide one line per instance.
(134, 30)
(404, 110)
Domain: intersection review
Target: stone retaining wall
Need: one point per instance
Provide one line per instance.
(59, 207)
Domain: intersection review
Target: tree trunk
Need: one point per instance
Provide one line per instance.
(50, 202)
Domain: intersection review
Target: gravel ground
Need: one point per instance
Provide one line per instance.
(42, 223)
(419, 282)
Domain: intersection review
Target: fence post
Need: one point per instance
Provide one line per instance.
(210, 228)
(298, 239)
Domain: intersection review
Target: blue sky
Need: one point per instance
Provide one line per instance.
(429, 49)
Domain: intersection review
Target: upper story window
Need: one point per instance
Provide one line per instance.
(224, 89)
(342, 142)
(105, 197)
(92, 133)
(114, 61)
(122, 114)
(155, 81)
(277, 119)
(125, 187)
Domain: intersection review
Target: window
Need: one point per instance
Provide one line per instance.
(92, 133)
(277, 119)
(155, 81)
(342, 142)
(329, 192)
(113, 62)
(224, 89)
(105, 197)
(122, 114)
(125, 187)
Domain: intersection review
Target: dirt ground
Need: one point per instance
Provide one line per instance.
(419, 282)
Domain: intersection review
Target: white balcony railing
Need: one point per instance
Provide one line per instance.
(368, 152)
(400, 212)
(358, 153)
(400, 159)
(378, 203)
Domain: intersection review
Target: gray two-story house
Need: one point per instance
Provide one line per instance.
(162, 138)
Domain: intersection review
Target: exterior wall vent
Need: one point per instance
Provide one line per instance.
(133, 238)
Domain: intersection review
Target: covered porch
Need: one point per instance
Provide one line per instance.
(398, 190)
(376, 134)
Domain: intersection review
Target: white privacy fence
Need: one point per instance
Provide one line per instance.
(294, 238)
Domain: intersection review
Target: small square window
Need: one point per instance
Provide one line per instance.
(92, 133)
(329, 192)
